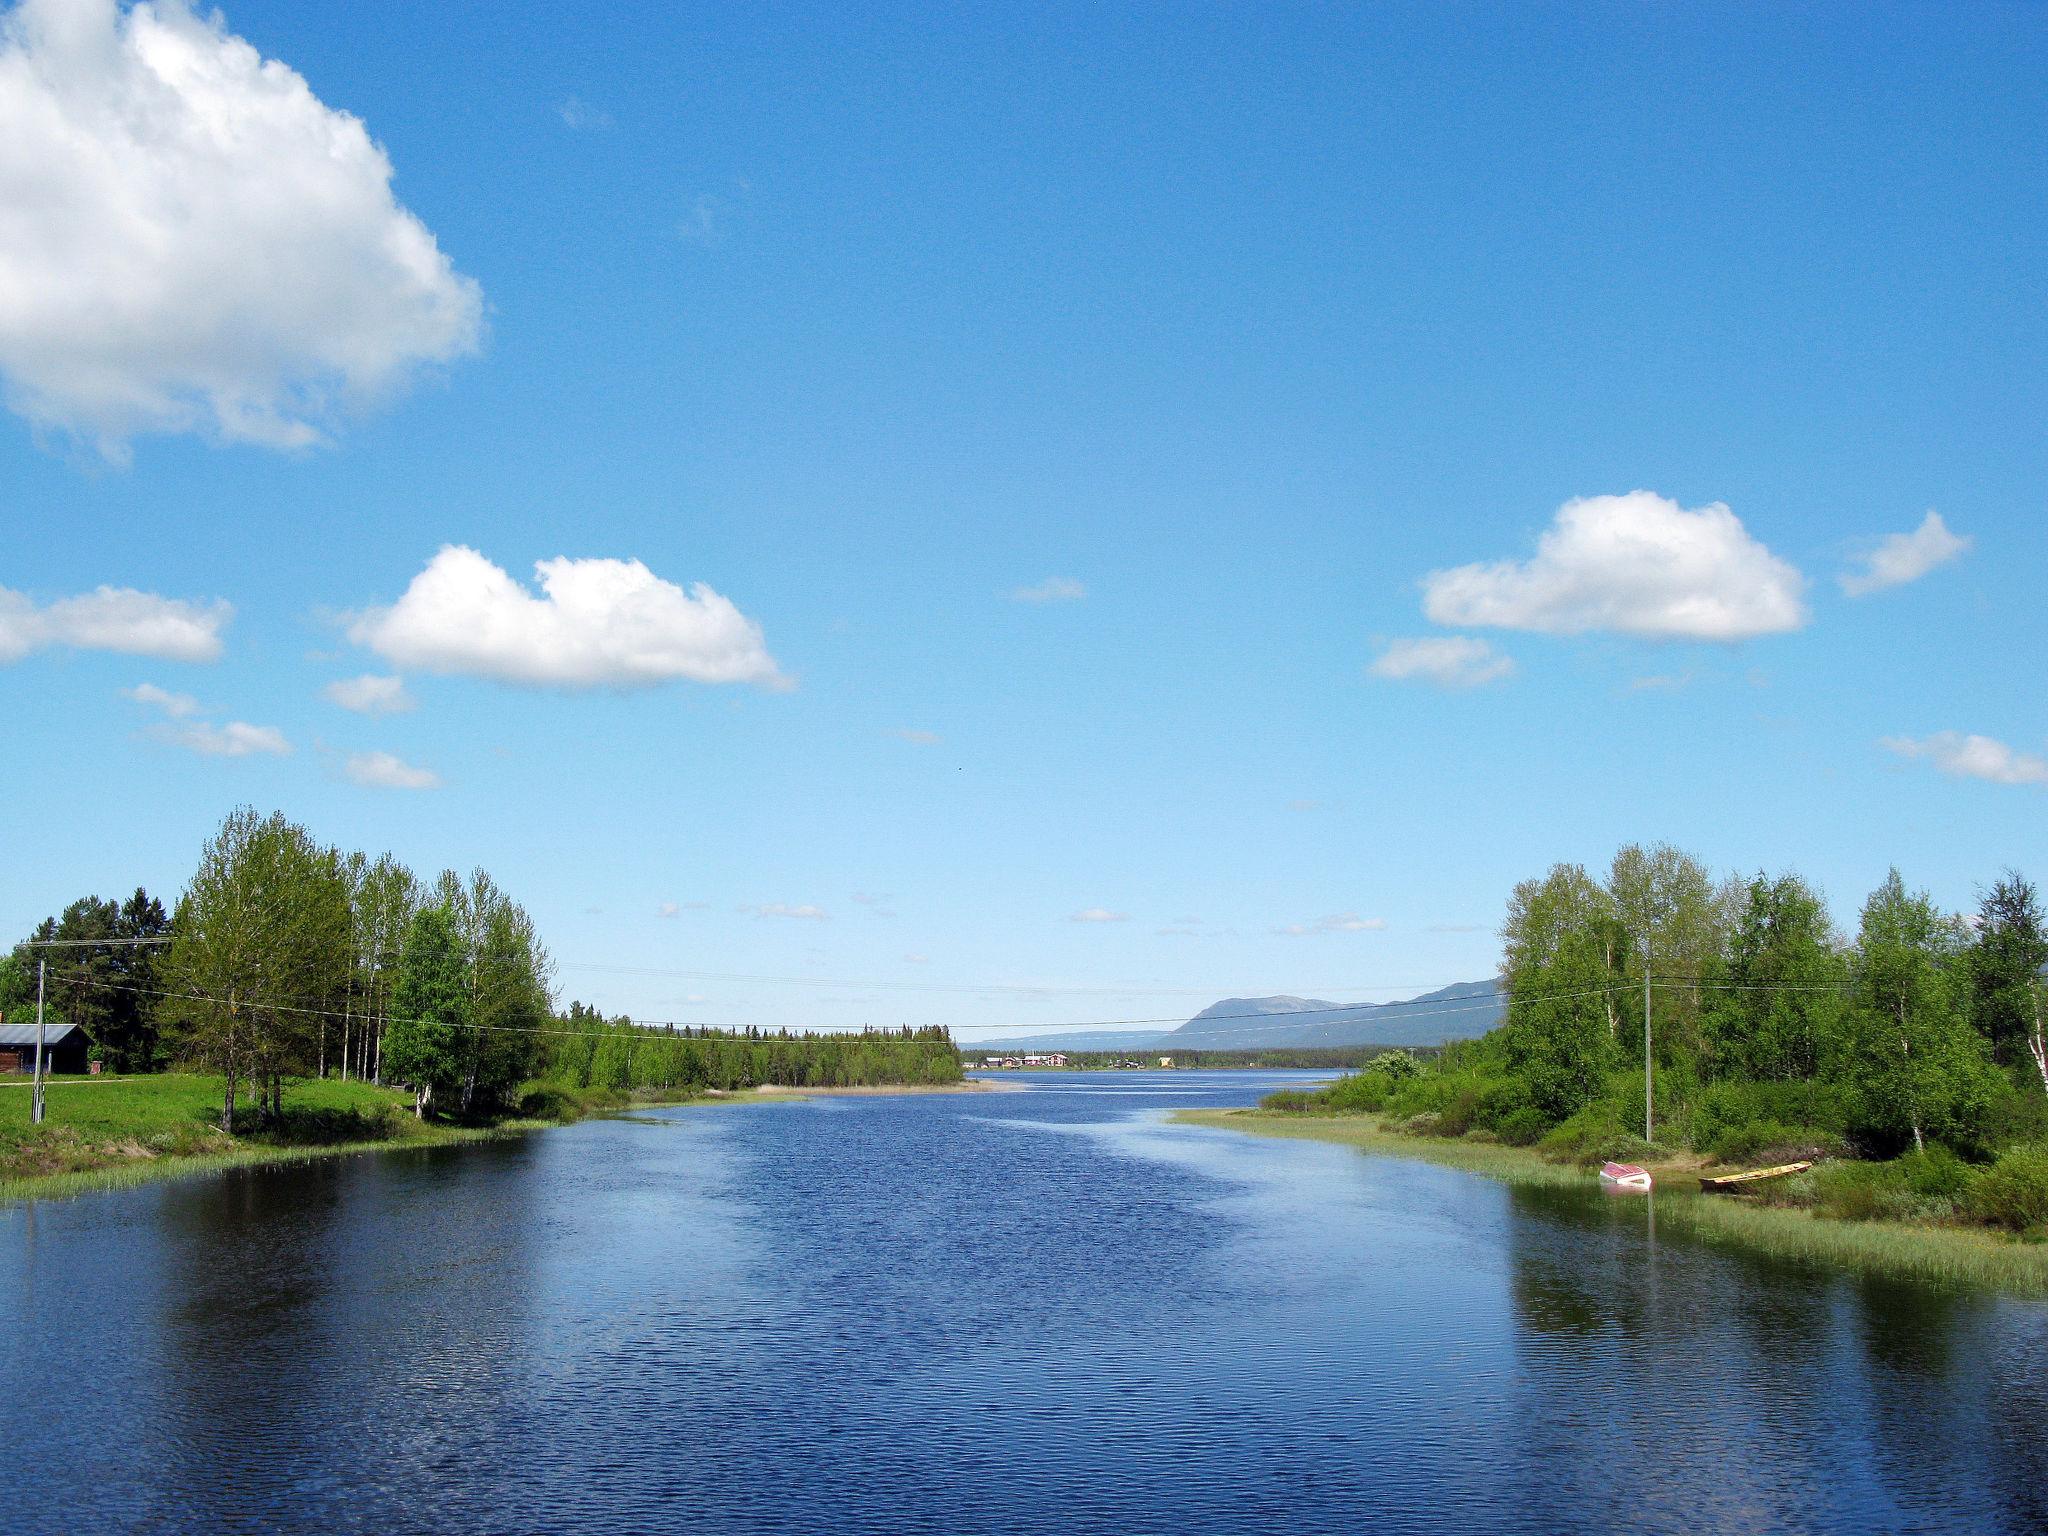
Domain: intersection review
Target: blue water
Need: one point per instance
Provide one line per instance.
(1038, 1311)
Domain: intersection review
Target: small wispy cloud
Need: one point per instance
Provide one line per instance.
(918, 738)
(383, 770)
(1658, 682)
(1445, 661)
(1303, 807)
(580, 115)
(917, 959)
(1054, 589)
(237, 738)
(1099, 915)
(1454, 928)
(1337, 922)
(805, 912)
(1899, 558)
(370, 694)
(1963, 756)
(179, 706)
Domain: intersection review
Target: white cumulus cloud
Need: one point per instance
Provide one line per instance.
(381, 770)
(1054, 589)
(1447, 661)
(191, 240)
(597, 623)
(1902, 557)
(1638, 564)
(1338, 922)
(1973, 757)
(113, 619)
(235, 739)
(370, 694)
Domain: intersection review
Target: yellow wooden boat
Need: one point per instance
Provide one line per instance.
(1739, 1181)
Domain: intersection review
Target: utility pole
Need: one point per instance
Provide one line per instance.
(35, 1108)
(1649, 1082)
(35, 1100)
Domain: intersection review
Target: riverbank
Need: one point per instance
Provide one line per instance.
(1939, 1255)
(111, 1132)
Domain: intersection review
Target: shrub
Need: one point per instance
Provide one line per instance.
(549, 1102)
(1522, 1127)
(1461, 1113)
(1294, 1101)
(1362, 1090)
(1586, 1136)
(2012, 1192)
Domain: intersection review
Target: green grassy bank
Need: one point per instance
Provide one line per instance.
(1926, 1252)
(107, 1133)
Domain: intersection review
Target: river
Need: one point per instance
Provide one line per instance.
(1037, 1311)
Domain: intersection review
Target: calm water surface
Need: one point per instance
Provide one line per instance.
(1041, 1311)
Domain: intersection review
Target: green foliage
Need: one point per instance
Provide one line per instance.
(1367, 1091)
(111, 992)
(1775, 1011)
(1914, 1066)
(1928, 1185)
(259, 953)
(1296, 1101)
(423, 1039)
(1522, 1127)
(2006, 960)
(2013, 1192)
(584, 1051)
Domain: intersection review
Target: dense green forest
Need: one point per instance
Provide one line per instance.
(287, 960)
(1911, 1053)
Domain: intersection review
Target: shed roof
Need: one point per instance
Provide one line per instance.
(25, 1034)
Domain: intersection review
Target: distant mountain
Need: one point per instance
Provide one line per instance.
(1262, 1023)
(1245, 1023)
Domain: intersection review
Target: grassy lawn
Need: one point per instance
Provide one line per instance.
(100, 1132)
(1942, 1255)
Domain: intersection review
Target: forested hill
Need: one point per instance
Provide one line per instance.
(1458, 1012)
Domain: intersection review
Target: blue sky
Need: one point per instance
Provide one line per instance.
(1216, 331)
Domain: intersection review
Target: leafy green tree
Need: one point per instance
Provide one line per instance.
(1774, 1010)
(508, 975)
(1915, 1066)
(2006, 962)
(1665, 895)
(259, 952)
(423, 1037)
(1558, 968)
(383, 897)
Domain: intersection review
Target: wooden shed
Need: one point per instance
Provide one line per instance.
(64, 1047)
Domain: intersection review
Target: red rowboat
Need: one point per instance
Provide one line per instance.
(1624, 1176)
